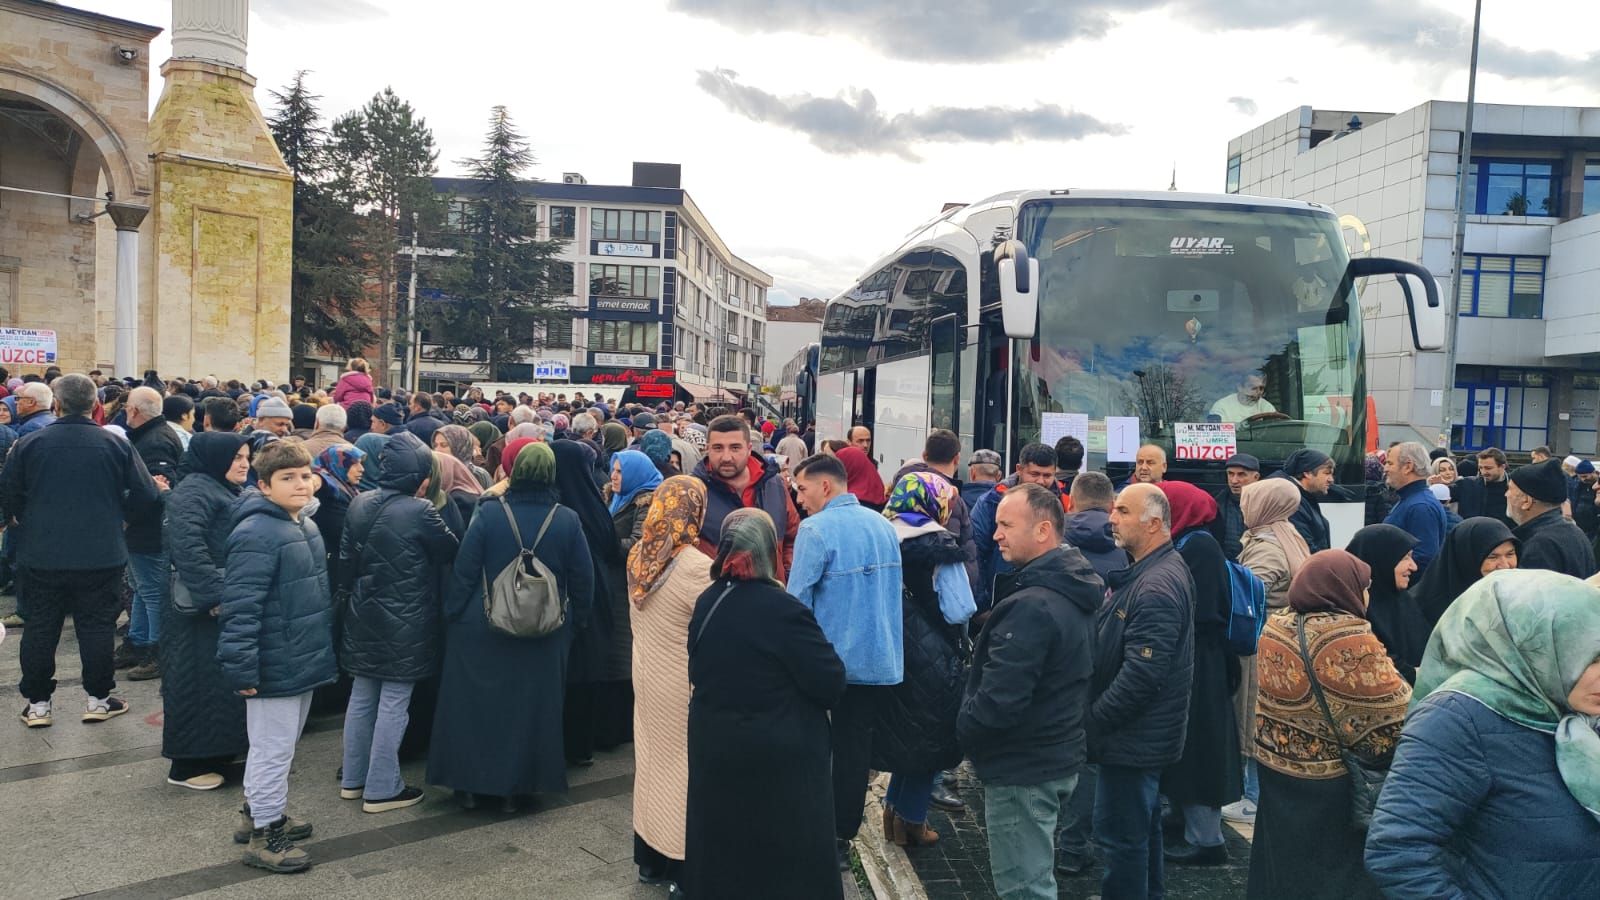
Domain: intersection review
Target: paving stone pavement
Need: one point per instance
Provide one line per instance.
(85, 810)
(957, 868)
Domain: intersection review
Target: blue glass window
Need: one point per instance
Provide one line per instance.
(1233, 175)
(1515, 187)
(1501, 287)
(1591, 188)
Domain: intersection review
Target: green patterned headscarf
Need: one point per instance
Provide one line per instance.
(919, 498)
(1517, 642)
(535, 467)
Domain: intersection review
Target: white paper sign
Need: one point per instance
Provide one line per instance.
(1215, 441)
(1054, 426)
(1122, 438)
(27, 346)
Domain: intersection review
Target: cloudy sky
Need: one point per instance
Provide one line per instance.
(816, 133)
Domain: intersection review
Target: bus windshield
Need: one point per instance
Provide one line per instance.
(1183, 313)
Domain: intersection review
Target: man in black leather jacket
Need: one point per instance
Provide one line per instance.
(1144, 664)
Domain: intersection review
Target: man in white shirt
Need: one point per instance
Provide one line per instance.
(1248, 401)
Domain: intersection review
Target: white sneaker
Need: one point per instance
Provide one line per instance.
(36, 715)
(1242, 812)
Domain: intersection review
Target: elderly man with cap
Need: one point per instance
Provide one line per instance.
(1228, 528)
(1311, 471)
(1580, 491)
(984, 471)
(386, 418)
(1549, 539)
(274, 416)
(641, 423)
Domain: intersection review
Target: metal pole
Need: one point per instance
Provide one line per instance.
(409, 376)
(1453, 302)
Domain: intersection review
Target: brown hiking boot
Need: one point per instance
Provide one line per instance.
(293, 829)
(907, 834)
(271, 849)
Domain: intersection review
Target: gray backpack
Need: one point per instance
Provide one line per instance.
(525, 599)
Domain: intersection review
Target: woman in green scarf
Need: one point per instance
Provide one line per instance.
(1495, 787)
(498, 731)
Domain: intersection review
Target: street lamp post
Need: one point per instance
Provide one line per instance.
(1453, 319)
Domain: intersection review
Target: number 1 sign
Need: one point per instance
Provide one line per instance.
(1122, 438)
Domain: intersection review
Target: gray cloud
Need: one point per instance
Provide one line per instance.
(317, 12)
(1000, 30)
(1244, 105)
(853, 123)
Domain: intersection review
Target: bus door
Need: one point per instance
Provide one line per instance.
(944, 374)
(993, 385)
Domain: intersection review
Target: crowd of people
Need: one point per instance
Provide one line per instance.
(769, 621)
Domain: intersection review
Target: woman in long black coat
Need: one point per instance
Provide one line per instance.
(760, 813)
(586, 667)
(1394, 614)
(1209, 775)
(497, 732)
(202, 727)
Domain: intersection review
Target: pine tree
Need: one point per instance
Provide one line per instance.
(325, 290)
(383, 158)
(501, 297)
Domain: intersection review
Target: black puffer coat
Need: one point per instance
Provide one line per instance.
(158, 445)
(916, 730)
(277, 614)
(1144, 664)
(203, 718)
(393, 546)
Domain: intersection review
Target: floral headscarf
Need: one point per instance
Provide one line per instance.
(748, 550)
(920, 498)
(672, 524)
(460, 441)
(334, 464)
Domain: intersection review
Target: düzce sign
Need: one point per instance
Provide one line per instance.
(27, 346)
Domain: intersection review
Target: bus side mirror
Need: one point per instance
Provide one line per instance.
(1427, 332)
(1019, 290)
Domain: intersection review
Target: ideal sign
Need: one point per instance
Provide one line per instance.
(27, 346)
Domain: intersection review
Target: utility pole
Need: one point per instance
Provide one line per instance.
(1453, 302)
(413, 356)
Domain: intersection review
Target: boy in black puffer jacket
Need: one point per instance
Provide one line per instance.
(276, 643)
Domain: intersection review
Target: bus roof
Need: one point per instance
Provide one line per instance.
(957, 215)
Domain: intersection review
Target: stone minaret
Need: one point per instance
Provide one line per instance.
(221, 224)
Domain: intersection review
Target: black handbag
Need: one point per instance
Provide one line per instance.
(183, 602)
(1366, 781)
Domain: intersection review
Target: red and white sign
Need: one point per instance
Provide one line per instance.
(27, 346)
(1206, 440)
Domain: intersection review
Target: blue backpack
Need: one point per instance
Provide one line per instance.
(1247, 607)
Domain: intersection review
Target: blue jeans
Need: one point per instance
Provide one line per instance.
(374, 723)
(1075, 837)
(1022, 827)
(1127, 824)
(908, 795)
(1252, 782)
(150, 586)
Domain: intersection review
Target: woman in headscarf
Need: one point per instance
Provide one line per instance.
(460, 485)
(372, 446)
(1471, 550)
(497, 731)
(684, 456)
(484, 435)
(1305, 842)
(434, 491)
(666, 574)
(341, 467)
(1274, 552)
(591, 691)
(862, 478)
(1394, 614)
(613, 439)
(459, 443)
(916, 736)
(1208, 775)
(763, 678)
(658, 447)
(634, 478)
(203, 727)
(1495, 788)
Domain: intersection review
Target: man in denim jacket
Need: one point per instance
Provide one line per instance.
(847, 571)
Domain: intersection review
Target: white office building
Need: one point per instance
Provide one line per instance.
(1528, 353)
